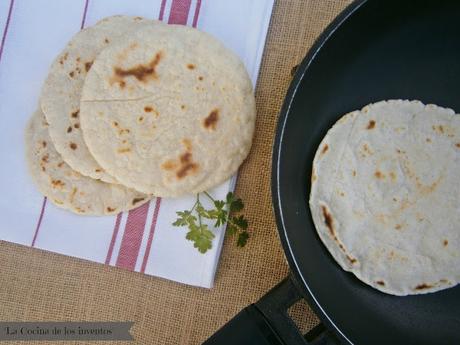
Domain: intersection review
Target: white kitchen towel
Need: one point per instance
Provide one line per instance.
(143, 240)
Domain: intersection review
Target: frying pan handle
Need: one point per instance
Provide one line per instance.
(267, 322)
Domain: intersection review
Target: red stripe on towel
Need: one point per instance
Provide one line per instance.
(132, 238)
(152, 231)
(114, 238)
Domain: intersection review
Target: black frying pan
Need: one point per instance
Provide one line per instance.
(374, 50)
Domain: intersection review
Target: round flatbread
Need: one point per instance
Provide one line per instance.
(168, 111)
(60, 97)
(67, 188)
(385, 196)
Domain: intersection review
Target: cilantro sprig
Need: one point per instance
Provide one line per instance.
(223, 212)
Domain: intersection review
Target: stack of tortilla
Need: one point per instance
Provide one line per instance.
(133, 108)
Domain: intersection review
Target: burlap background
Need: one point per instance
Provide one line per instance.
(41, 286)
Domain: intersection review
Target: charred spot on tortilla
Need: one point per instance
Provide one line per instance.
(77, 125)
(110, 209)
(69, 129)
(88, 65)
(75, 113)
(57, 183)
(325, 148)
(73, 146)
(328, 221)
(210, 122)
(140, 72)
(371, 124)
(380, 282)
(137, 200)
(378, 174)
(190, 66)
(423, 286)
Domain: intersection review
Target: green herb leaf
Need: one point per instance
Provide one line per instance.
(200, 234)
(242, 239)
(240, 221)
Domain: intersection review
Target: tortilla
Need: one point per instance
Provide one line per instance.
(60, 98)
(385, 196)
(64, 186)
(168, 111)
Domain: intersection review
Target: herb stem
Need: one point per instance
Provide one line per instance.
(209, 196)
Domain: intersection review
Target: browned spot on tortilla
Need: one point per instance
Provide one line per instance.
(98, 170)
(122, 131)
(398, 226)
(122, 83)
(140, 118)
(45, 158)
(44, 143)
(445, 243)
(69, 129)
(187, 143)
(371, 124)
(78, 59)
(352, 260)
(79, 209)
(325, 148)
(60, 164)
(458, 145)
(71, 74)
(169, 165)
(394, 199)
(353, 172)
(328, 220)
(77, 125)
(57, 183)
(88, 65)
(63, 58)
(182, 107)
(110, 209)
(148, 109)
(443, 281)
(210, 121)
(441, 128)
(190, 66)
(380, 282)
(43, 168)
(124, 150)
(115, 123)
(140, 72)
(313, 177)
(342, 194)
(185, 170)
(59, 202)
(379, 175)
(75, 113)
(428, 140)
(138, 18)
(200, 78)
(106, 40)
(423, 286)
(73, 146)
(136, 200)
